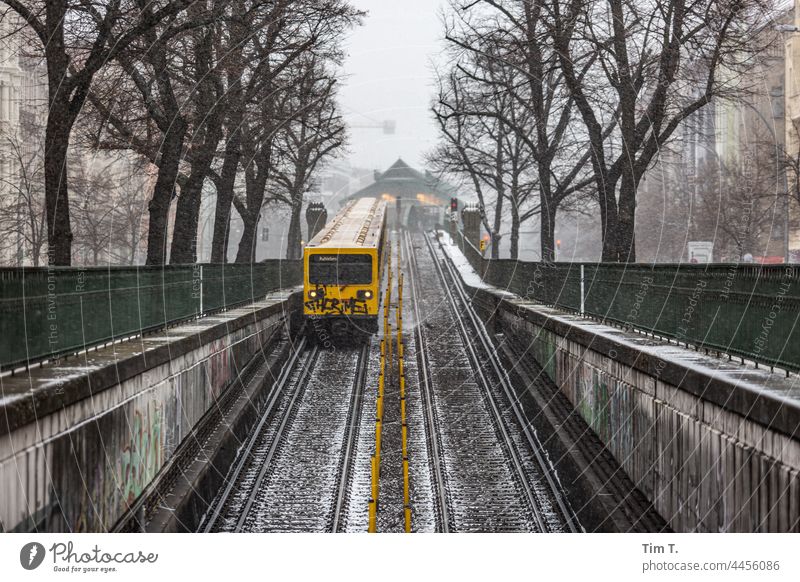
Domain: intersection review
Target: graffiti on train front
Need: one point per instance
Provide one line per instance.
(336, 306)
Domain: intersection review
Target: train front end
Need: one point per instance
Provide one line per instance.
(342, 266)
(341, 292)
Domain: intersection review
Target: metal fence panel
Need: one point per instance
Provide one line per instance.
(46, 312)
(747, 310)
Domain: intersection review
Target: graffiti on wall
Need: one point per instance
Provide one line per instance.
(143, 456)
(219, 367)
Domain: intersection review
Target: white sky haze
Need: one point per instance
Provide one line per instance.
(389, 76)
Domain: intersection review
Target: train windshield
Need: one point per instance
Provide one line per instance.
(340, 269)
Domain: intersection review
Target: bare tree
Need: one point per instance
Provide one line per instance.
(23, 222)
(487, 151)
(78, 38)
(149, 101)
(202, 50)
(255, 66)
(739, 199)
(504, 48)
(211, 75)
(315, 134)
(258, 158)
(643, 68)
(94, 203)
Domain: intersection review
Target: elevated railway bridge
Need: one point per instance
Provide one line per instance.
(495, 396)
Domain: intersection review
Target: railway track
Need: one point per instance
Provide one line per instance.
(630, 511)
(485, 469)
(441, 503)
(351, 439)
(494, 472)
(293, 473)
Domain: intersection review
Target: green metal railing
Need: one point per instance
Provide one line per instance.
(47, 312)
(747, 310)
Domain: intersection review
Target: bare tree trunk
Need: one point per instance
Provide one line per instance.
(294, 247)
(609, 223)
(514, 230)
(57, 133)
(247, 246)
(626, 225)
(547, 232)
(255, 183)
(158, 206)
(222, 213)
(496, 228)
(184, 237)
(187, 216)
(59, 230)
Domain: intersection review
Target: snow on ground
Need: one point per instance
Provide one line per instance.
(745, 376)
(468, 274)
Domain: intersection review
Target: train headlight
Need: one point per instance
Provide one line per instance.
(313, 294)
(364, 294)
(368, 294)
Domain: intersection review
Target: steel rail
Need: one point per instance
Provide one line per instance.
(353, 423)
(510, 447)
(440, 486)
(299, 389)
(255, 435)
(538, 449)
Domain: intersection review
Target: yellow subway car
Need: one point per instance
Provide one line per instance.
(342, 274)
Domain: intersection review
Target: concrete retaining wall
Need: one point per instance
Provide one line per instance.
(81, 440)
(714, 444)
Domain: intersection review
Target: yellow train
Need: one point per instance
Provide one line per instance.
(342, 268)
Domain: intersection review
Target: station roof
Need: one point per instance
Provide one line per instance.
(403, 181)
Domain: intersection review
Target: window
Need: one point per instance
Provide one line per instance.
(340, 269)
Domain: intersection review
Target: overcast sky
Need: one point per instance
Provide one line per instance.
(389, 77)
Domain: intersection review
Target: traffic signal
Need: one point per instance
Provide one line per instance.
(454, 204)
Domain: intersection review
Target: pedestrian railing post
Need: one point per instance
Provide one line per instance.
(202, 289)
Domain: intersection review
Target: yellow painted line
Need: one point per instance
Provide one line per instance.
(386, 357)
(372, 517)
(374, 478)
(406, 488)
(402, 387)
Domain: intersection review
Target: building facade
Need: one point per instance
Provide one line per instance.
(723, 178)
(792, 126)
(23, 107)
(108, 193)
